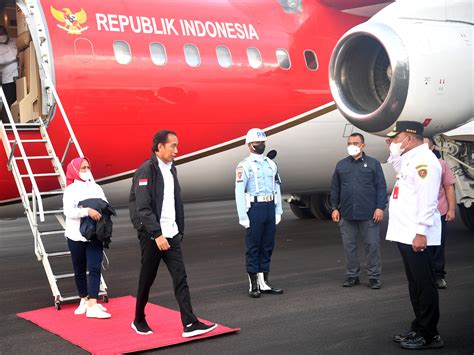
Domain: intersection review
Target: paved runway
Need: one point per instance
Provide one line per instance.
(314, 316)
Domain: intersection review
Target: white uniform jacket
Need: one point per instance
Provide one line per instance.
(414, 200)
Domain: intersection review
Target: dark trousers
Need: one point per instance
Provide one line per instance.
(260, 236)
(173, 258)
(86, 256)
(437, 252)
(10, 94)
(351, 230)
(422, 289)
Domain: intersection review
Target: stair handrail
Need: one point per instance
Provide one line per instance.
(49, 84)
(34, 186)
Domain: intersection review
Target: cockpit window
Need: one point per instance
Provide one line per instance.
(254, 57)
(311, 59)
(158, 54)
(291, 6)
(223, 56)
(191, 53)
(122, 52)
(283, 58)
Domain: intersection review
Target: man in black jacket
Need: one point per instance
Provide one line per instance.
(358, 199)
(156, 211)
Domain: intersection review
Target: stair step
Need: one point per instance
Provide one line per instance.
(51, 212)
(23, 128)
(40, 175)
(59, 254)
(69, 298)
(63, 276)
(22, 125)
(29, 141)
(52, 232)
(46, 193)
(35, 157)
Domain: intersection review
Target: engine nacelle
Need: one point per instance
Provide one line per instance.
(398, 66)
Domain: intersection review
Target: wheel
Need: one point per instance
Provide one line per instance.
(57, 305)
(467, 216)
(105, 299)
(320, 206)
(300, 211)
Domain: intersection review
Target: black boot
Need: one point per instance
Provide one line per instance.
(265, 286)
(254, 292)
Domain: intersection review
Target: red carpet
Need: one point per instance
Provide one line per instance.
(114, 335)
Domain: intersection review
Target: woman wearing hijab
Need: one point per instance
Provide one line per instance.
(86, 255)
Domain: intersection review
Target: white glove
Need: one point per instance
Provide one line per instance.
(277, 218)
(245, 223)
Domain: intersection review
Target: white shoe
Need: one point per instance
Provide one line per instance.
(96, 312)
(102, 308)
(82, 308)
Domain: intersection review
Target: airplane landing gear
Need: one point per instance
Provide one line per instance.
(320, 205)
(311, 206)
(467, 216)
(300, 208)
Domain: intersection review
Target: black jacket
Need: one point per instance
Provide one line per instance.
(146, 199)
(358, 187)
(100, 231)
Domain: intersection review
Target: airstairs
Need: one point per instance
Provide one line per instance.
(40, 179)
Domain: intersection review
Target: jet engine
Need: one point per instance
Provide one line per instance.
(409, 65)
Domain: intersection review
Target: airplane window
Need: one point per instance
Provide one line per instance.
(311, 59)
(291, 6)
(254, 57)
(191, 53)
(84, 50)
(283, 59)
(158, 54)
(122, 52)
(223, 56)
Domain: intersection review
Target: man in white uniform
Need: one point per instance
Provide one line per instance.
(414, 223)
(8, 68)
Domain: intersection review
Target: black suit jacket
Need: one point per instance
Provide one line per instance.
(146, 199)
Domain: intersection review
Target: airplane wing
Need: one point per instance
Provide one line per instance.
(366, 8)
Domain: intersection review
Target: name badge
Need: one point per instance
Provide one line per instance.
(395, 192)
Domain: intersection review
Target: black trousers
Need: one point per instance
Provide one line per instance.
(10, 94)
(437, 252)
(173, 258)
(422, 289)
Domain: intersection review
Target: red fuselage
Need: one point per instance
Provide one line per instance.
(115, 108)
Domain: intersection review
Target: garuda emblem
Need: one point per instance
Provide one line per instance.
(70, 22)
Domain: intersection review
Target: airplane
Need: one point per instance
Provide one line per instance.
(309, 73)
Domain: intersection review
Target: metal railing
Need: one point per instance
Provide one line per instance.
(9, 151)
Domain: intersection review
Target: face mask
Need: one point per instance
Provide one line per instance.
(396, 148)
(86, 176)
(3, 39)
(353, 150)
(259, 148)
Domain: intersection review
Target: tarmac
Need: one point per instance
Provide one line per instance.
(315, 315)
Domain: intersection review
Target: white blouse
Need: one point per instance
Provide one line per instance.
(74, 193)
